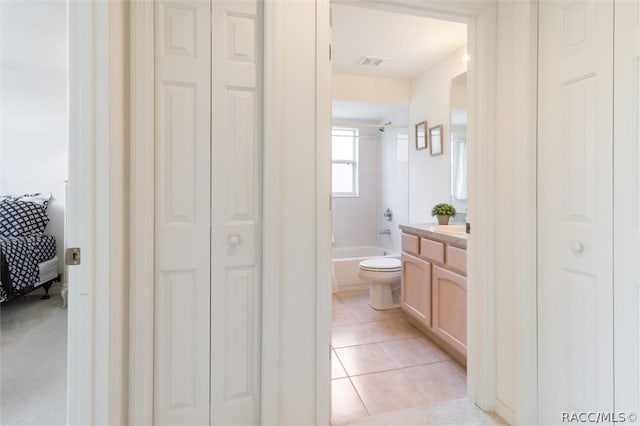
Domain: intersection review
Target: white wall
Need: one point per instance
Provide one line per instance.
(366, 88)
(394, 180)
(430, 176)
(33, 104)
(355, 221)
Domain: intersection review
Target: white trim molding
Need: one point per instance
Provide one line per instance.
(481, 356)
(142, 236)
(271, 210)
(323, 213)
(98, 171)
(525, 51)
(80, 354)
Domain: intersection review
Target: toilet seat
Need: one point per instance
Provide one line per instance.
(381, 264)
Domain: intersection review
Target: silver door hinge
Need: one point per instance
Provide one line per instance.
(72, 256)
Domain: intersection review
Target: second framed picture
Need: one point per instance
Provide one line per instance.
(421, 135)
(435, 134)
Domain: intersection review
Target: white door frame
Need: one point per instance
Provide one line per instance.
(80, 360)
(97, 213)
(482, 358)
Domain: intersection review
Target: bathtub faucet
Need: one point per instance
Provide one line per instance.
(384, 232)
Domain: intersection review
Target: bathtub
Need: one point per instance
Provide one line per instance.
(345, 265)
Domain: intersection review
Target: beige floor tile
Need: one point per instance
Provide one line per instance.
(438, 382)
(387, 391)
(345, 403)
(335, 299)
(365, 313)
(382, 331)
(437, 349)
(354, 297)
(341, 315)
(337, 370)
(349, 335)
(412, 352)
(459, 367)
(364, 359)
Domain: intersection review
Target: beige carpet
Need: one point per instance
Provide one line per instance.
(33, 360)
(457, 412)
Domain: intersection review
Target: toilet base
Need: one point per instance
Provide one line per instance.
(384, 296)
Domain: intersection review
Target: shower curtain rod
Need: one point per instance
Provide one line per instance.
(373, 125)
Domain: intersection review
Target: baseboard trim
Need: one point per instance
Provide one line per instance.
(505, 412)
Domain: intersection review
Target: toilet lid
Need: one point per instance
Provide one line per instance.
(381, 264)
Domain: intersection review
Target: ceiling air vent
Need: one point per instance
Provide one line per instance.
(371, 61)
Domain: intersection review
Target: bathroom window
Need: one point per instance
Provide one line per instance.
(344, 162)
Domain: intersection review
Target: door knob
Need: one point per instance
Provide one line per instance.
(234, 240)
(577, 247)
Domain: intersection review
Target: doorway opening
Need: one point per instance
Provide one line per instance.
(399, 115)
(34, 152)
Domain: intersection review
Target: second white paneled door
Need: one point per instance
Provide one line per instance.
(589, 209)
(208, 197)
(575, 208)
(236, 212)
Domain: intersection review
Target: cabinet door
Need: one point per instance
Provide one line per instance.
(450, 308)
(416, 287)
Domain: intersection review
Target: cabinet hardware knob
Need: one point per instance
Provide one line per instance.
(577, 247)
(234, 240)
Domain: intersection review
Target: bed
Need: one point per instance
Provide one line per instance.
(27, 256)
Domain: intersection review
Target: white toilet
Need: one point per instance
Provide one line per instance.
(383, 274)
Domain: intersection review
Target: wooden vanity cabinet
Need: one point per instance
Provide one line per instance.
(434, 289)
(416, 287)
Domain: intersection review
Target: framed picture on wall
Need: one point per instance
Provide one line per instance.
(421, 135)
(435, 134)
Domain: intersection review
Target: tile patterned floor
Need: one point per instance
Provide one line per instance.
(381, 363)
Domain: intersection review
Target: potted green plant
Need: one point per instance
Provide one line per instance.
(443, 211)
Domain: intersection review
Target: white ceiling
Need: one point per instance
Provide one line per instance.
(411, 43)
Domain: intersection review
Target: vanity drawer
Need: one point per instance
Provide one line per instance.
(410, 243)
(432, 250)
(457, 258)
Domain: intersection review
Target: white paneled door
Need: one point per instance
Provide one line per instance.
(182, 212)
(207, 220)
(575, 208)
(236, 212)
(627, 206)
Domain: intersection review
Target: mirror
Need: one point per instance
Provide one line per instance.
(459, 142)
